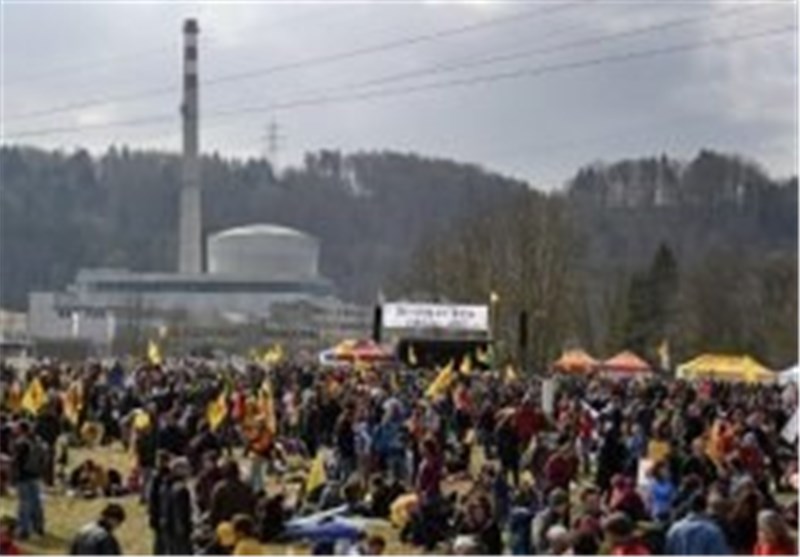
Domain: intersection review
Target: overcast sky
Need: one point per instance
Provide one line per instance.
(530, 89)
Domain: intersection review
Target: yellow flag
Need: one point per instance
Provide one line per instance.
(73, 402)
(511, 375)
(141, 419)
(34, 397)
(663, 354)
(153, 353)
(266, 405)
(273, 356)
(316, 475)
(412, 356)
(466, 365)
(442, 381)
(217, 410)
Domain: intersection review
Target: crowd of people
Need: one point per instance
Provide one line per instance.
(228, 458)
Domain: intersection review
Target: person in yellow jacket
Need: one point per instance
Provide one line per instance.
(246, 542)
(659, 447)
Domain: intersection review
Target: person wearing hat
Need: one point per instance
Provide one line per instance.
(97, 538)
(556, 512)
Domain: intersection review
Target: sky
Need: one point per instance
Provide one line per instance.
(533, 90)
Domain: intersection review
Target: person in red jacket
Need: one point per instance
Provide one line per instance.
(561, 468)
(774, 537)
(528, 421)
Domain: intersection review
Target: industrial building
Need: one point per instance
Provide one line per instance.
(257, 275)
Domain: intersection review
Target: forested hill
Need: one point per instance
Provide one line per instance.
(707, 204)
(64, 211)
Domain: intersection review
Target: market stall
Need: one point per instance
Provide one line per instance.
(626, 364)
(726, 367)
(575, 361)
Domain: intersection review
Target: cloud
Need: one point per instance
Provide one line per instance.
(741, 96)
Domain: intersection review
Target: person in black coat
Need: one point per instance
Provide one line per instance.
(508, 449)
(230, 496)
(179, 508)
(161, 476)
(611, 458)
(171, 437)
(145, 448)
(97, 538)
(700, 464)
(48, 428)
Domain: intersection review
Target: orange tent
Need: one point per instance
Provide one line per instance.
(575, 361)
(626, 363)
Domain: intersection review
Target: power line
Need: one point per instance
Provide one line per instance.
(395, 44)
(507, 75)
(309, 62)
(471, 62)
(448, 84)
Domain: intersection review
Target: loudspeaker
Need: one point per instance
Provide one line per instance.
(522, 341)
(376, 324)
(523, 330)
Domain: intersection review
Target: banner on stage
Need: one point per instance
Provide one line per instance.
(436, 316)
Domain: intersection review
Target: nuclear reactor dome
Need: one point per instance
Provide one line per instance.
(263, 251)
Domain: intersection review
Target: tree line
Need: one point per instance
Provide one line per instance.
(701, 253)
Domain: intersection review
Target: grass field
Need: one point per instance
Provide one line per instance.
(64, 515)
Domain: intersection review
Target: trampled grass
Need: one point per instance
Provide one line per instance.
(64, 516)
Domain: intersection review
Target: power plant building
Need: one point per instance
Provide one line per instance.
(252, 271)
(263, 251)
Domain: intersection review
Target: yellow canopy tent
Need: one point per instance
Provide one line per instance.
(725, 367)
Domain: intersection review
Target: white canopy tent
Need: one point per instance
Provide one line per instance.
(788, 376)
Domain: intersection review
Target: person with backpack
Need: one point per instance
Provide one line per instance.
(28, 466)
(97, 538)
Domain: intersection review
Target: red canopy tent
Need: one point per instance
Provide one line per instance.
(626, 364)
(575, 361)
(356, 351)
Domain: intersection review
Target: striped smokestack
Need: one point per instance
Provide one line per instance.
(190, 258)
